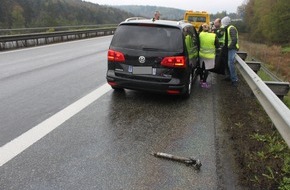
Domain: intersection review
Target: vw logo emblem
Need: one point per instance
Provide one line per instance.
(142, 59)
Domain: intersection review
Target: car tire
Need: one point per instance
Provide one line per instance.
(188, 87)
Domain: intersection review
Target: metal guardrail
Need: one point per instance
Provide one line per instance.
(16, 31)
(26, 40)
(279, 87)
(278, 112)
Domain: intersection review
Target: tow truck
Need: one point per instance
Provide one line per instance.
(197, 18)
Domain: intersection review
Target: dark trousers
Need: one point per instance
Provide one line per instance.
(203, 73)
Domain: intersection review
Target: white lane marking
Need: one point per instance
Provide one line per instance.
(19, 144)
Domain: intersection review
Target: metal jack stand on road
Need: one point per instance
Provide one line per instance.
(188, 161)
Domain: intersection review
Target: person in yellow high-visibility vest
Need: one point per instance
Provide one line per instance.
(219, 31)
(222, 53)
(231, 42)
(208, 44)
(191, 46)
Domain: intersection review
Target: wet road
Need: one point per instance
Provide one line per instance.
(106, 145)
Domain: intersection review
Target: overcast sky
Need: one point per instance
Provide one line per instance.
(212, 6)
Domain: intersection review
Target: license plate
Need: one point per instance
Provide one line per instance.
(142, 71)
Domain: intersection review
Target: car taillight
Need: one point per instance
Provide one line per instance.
(112, 83)
(177, 61)
(115, 56)
(173, 92)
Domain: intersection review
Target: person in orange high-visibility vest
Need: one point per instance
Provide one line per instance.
(208, 44)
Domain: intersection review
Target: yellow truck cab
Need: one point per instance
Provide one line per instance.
(197, 18)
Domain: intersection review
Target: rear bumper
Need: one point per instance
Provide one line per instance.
(173, 85)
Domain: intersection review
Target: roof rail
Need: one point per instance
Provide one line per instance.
(135, 18)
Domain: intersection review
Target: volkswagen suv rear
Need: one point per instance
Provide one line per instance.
(152, 56)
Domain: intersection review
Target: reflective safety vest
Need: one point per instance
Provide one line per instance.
(192, 51)
(207, 45)
(230, 39)
(221, 35)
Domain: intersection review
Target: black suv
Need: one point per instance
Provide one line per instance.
(152, 56)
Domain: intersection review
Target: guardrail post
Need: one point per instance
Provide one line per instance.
(281, 89)
(254, 65)
(243, 55)
(2, 46)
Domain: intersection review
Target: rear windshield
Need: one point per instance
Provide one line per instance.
(150, 38)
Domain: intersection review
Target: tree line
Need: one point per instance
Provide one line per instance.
(49, 13)
(267, 20)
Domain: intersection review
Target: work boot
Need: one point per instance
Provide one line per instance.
(235, 83)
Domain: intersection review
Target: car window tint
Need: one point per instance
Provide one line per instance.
(148, 37)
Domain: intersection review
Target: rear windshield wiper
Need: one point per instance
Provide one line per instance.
(152, 49)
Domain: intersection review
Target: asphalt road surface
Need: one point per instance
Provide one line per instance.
(63, 127)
